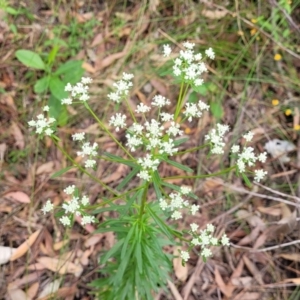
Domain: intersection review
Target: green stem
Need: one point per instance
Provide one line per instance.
(106, 130)
(82, 169)
(144, 200)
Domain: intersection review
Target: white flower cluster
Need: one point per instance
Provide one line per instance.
(78, 91)
(193, 110)
(189, 66)
(87, 150)
(122, 87)
(42, 124)
(215, 137)
(176, 202)
(248, 158)
(73, 207)
(204, 239)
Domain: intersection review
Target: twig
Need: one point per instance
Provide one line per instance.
(266, 249)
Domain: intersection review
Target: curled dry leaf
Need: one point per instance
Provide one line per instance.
(32, 291)
(47, 167)
(181, 271)
(60, 266)
(18, 196)
(49, 288)
(23, 248)
(5, 254)
(226, 289)
(214, 14)
(17, 134)
(291, 256)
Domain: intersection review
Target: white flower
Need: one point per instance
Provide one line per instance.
(235, 148)
(188, 45)
(90, 163)
(198, 81)
(78, 136)
(70, 189)
(160, 101)
(114, 97)
(85, 200)
(163, 204)
(42, 125)
(127, 76)
(88, 149)
(133, 142)
(194, 208)
(142, 108)
(137, 128)
(195, 242)
(192, 111)
(185, 190)
(176, 215)
(210, 53)
(210, 228)
(87, 220)
(262, 157)
(67, 101)
(72, 206)
(46, 108)
(167, 50)
(206, 253)
(248, 136)
(216, 138)
(68, 87)
(259, 175)
(174, 129)
(65, 221)
(202, 105)
(144, 175)
(225, 240)
(184, 255)
(86, 80)
(194, 227)
(118, 121)
(166, 117)
(47, 207)
(168, 147)
(148, 162)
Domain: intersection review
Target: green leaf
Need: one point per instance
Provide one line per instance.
(156, 184)
(164, 228)
(41, 85)
(58, 111)
(247, 181)
(180, 141)
(177, 188)
(69, 67)
(178, 165)
(112, 251)
(57, 88)
(121, 160)
(124, 182)
(61, 172)
(138, 256)
(52, 54)
(30, 59)
(127, 241)
(216, 109)
(201, 89)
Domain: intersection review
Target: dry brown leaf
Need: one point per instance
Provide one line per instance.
(93, 240)
(214, 14)
(291, 256)
(9, 101)
(47, 167)
(242, 281)
(16, 294)
(32, 291)
(2, 151)
(60, 244)
(88, 67)
(293, 280)
(108, 60)
(226, 289)
(261, 240)
(98, 39)
(271, 210)
(17, 134)
(247, 296)
(252, 220)
(253, 270)
(49, 288)
(121, 170)
(18, 196)
(5, 254)
(181, 271)
(60, 266)
(23, 248)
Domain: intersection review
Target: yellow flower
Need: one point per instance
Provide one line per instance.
(275, 102)
(188, 130)
(254, 21)
(277, 57)
(288, 112)
(253, 31)
(297, 127)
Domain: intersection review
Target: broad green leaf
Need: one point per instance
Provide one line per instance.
(58, 111)
(61, 172)
(74, 74)
(69, 67)
(41, 85)
(193, 97)
(30, 59)
(57, 88)
(201, 89)
(179, 166)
